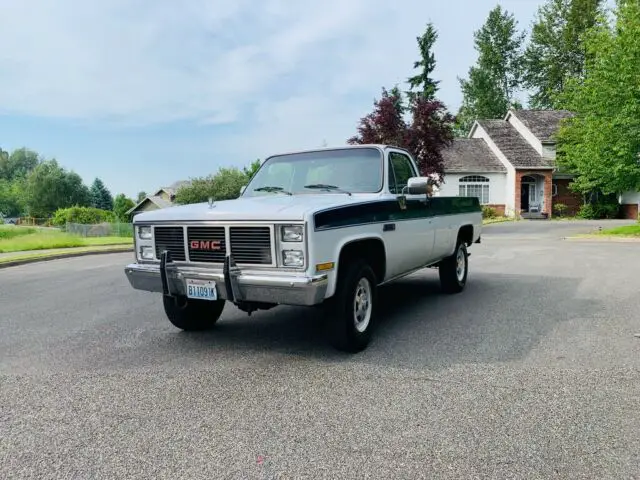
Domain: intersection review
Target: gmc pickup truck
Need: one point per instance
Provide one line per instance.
(323, 227)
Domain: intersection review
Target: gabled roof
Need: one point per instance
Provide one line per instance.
(470, 155)
(544, 124)
(158, 201)
(513, 145)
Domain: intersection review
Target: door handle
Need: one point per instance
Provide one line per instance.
(389, 227)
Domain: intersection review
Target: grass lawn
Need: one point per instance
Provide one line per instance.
(18, 239)
(626, 231)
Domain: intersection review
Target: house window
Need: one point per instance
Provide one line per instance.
(474, 186)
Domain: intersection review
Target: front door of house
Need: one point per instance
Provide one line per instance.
(524, 197)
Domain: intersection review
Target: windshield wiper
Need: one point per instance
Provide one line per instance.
(271, 189)
(322, 186)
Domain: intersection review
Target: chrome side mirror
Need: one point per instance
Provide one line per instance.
(420, 186)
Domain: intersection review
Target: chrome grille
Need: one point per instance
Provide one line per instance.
(251, 245)
(206, 244)
(170, 239)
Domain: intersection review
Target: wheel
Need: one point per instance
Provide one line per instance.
(191, 315)
(353, 309)
(453, 270)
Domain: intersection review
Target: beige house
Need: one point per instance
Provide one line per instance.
(162, 198)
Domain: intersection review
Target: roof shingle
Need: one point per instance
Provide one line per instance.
(544, 124)
(470, 155)
(513, 145)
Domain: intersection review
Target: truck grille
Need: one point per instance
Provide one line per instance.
(172, 240)
(248, 245)
(206, 244)
(251, 245)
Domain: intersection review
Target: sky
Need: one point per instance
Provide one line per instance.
(143, 93)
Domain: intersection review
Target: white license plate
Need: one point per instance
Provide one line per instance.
(201, 289)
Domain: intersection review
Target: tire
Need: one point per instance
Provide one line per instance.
(452, 279)
(348, 332)
(192, 315)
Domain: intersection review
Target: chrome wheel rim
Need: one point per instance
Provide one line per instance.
(362, 305)
(460, 264)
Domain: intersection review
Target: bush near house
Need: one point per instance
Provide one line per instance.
(489, 212)
(560, 209)
(84, 215)
(597, 211)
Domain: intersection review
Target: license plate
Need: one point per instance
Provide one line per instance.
(201, 289)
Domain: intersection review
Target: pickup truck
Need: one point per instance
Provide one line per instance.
(324, 227)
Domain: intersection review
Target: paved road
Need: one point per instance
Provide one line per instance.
(532, 372)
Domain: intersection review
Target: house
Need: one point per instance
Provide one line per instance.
(162, 198)
(510, 165)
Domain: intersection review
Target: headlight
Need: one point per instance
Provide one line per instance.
(144, 233)
(292, 233)
(292, 258)
(146, 253)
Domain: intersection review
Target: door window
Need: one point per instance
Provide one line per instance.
(400, 171)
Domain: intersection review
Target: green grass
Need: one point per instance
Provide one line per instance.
(626, 231)
(19, 239)
(35, 256)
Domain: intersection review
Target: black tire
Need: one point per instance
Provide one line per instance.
(192, 315)
(451, 280)
(344, 334)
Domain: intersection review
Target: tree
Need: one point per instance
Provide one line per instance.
(429, 131)
(422, 83)
(121, 205)
(224, 185)
(489, 91)
(14, 168)
(141, 196)
(556, 51)
(100, 196)
(251, 170)
(601, 143)
(50, 187)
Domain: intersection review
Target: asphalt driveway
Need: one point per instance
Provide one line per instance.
(532, 372)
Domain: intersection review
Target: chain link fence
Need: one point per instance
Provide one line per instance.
(100, 229)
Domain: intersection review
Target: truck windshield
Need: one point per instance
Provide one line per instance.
(341, 171)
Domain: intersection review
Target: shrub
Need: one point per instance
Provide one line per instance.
(594, 211)
(489, 212)
(560, 209)
(84, 215)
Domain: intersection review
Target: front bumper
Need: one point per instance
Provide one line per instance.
(232, 284)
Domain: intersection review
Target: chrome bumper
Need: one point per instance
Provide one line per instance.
(232, 283)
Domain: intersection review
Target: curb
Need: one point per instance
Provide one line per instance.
(603, 239)
(24, 261)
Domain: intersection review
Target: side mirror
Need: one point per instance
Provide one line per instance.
(420, 186)
(242, 189)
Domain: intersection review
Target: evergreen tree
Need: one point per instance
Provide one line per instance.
(100, 196)
(422, 83)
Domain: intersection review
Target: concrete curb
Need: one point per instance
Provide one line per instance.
(603, 239)
(24, 261)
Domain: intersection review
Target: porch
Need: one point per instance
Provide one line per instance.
(533, 194)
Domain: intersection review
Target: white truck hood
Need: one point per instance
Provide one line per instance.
(274, 207)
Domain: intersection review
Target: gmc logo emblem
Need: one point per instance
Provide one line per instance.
(206, 245)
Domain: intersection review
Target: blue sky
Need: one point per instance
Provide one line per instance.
(142, 93)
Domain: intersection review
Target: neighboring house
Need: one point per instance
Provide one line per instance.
(510, 165)
(162, 198)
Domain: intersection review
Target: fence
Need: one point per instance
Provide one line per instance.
(100, 229)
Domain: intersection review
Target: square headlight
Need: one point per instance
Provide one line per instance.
(293, 258)
(292, 233)
(146, 253)
(144, 233)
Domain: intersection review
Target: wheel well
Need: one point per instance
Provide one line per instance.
(465, 234)
(371, 250)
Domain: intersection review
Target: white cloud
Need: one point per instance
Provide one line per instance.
(285, 71)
